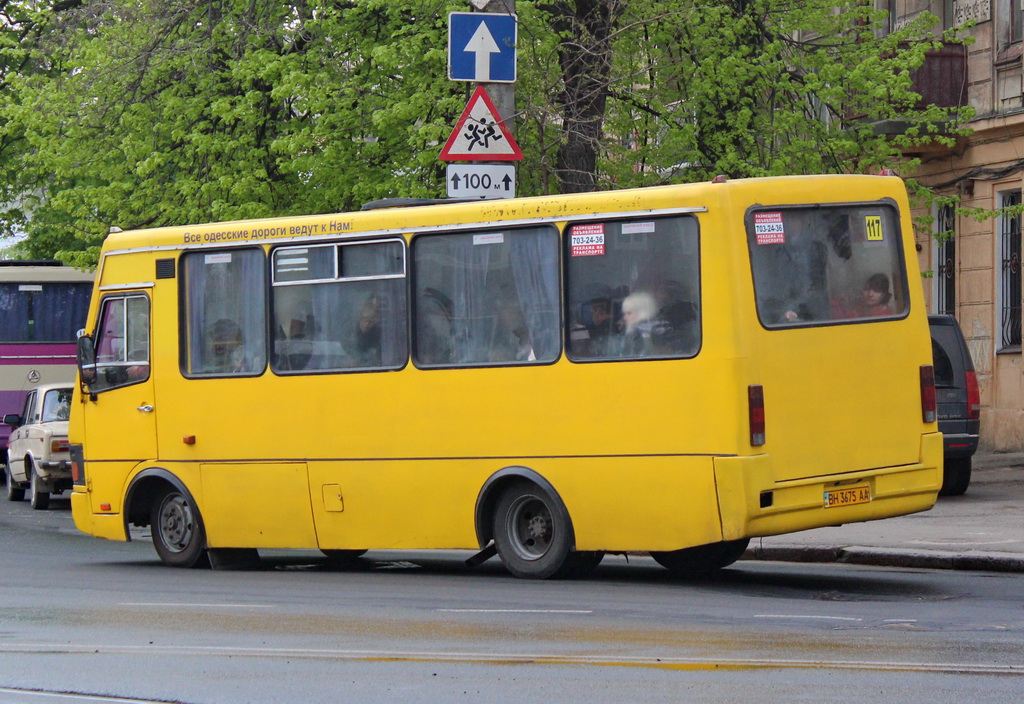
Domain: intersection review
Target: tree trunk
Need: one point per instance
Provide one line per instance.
(585, 54)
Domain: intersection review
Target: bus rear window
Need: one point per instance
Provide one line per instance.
(826, 265)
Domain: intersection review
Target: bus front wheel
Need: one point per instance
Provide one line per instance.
(177, 528)
(533, 535)
(702, 559)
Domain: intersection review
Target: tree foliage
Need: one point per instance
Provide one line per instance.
(141, 113)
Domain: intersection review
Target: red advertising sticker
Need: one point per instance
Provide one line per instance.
(768, 228)
(587, 240)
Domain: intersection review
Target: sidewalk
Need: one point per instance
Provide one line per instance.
(981, 530)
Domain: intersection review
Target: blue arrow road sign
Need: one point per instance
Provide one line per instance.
(482, 47)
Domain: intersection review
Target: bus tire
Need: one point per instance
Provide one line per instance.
(14, 492)
(703, 559)
(177, 527)
(39, 498)
(532, 533)
(956, 476)
(581, 564)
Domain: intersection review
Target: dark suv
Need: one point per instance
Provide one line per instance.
(959, 404)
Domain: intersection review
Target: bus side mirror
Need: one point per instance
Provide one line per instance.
(86, 360)
(12, 419)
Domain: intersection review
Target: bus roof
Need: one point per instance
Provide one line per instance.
(35, 272)
(693, 197)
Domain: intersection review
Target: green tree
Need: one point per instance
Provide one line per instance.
(141, 113)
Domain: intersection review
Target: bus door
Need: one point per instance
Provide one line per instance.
(120, 410)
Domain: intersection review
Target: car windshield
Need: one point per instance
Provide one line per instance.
(56, 405)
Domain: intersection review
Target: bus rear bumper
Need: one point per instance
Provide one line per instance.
(752, 504)
(100, 525)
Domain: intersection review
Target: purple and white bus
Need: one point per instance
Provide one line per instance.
(42, 306)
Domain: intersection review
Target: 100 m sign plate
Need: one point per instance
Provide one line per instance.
(847, 496)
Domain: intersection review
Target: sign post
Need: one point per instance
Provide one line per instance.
(482, 50)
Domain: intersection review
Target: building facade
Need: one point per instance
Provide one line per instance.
(976, 273)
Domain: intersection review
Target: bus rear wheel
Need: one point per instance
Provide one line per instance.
(177, 528)
(533, 535)
(702, 559)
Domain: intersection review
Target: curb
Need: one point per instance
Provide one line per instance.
(891, 557)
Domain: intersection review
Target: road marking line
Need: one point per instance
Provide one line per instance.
(85, 697)
(650, 661)
(808, 616)
(516, 611)
(205, 606)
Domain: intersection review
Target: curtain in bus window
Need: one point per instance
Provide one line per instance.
(815, 266)
(60, 311)
(534, 259)
(225, 312)
(487, 297)
(14, 314)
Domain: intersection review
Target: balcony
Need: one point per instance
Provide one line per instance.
(942, 81)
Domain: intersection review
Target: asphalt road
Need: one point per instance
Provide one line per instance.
(84, 620)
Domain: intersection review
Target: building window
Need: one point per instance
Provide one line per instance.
(1011, 19)
(1010, 280)
(945, 265)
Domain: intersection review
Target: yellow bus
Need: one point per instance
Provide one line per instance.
(672, 370)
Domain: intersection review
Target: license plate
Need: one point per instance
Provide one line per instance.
(847, 496)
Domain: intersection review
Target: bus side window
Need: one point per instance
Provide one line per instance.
(224, 313)
(122, 342)
(486, 298)
(633, 289)
(339, 307)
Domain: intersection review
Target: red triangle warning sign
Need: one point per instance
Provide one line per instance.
(480, 134)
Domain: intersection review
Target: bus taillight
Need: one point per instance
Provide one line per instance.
(755, 402)
(973, 397)
(928, 393)
(77, 465)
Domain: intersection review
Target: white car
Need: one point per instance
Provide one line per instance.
(37, 452)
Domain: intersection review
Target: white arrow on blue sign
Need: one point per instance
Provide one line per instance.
(482, 47)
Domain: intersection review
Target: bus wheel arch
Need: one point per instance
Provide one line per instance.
(161, 500)
(530, 525)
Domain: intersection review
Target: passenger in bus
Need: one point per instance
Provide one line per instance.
(368, 334)
(641, 329)
(875, 297)
(871, 301)
(434, 312)
(511, 338)
(226, 342)
(592, 332)
(599, 329)
(678, 315)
